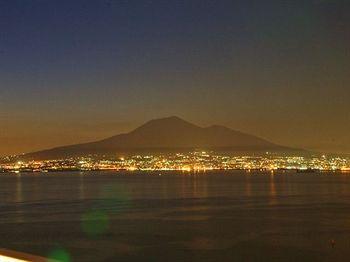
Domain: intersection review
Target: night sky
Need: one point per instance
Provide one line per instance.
(76, 71)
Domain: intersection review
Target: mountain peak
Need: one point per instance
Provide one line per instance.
(169, 119)
(165, 124)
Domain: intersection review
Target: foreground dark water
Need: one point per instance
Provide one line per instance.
(217, 216)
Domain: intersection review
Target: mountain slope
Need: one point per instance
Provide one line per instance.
(166, 134)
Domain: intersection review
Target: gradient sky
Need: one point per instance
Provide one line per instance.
(76, 71)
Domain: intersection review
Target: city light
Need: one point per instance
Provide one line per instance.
(186, 162)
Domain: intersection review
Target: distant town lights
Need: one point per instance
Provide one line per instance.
(191, 161)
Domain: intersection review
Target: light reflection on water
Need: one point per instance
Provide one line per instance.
(213, 216)
(19, 199)
(273, 193)
(81, 186)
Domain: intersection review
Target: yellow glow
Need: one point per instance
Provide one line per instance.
(186, 168)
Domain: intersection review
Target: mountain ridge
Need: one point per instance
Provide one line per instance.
(162, 135)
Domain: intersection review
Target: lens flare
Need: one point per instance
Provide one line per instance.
(59, 255)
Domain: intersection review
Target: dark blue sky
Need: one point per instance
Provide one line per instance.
(74, 71)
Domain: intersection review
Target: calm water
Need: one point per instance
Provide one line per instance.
(230, 216)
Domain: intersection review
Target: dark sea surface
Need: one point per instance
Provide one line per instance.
(213, 216)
